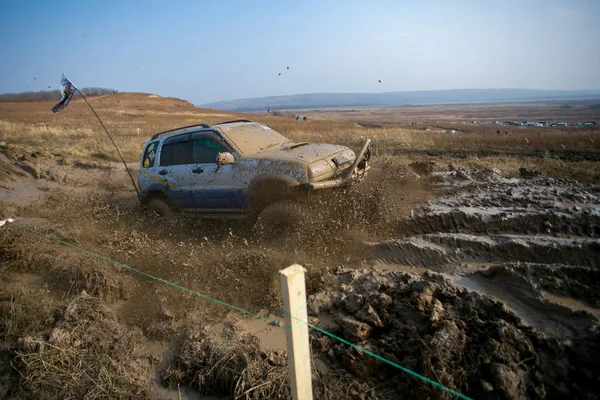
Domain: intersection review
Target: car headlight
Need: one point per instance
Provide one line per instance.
(319, 168)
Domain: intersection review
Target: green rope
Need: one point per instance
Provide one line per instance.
(244, 311)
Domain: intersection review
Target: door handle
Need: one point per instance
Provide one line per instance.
(197, 170)
(163, 172)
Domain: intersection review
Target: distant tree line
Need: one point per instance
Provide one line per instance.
(51, 95)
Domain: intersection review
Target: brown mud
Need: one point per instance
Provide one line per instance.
(510, 311)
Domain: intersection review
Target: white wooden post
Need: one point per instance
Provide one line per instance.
(293, 290)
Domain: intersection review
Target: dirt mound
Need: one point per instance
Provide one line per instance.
(84, 354)
(468, 342)
(65, 270)
(245, 370)
(226, 360)
(14, 170)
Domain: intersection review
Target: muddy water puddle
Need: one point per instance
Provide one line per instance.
(573, 304)
(551, 314)
(270, 335)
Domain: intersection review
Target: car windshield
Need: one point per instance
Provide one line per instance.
(253, 138)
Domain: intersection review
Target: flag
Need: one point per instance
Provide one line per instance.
(68, 90)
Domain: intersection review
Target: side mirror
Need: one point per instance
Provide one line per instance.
(225, 159)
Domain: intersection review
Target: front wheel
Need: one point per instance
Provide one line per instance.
(282, 218)
(160, 207)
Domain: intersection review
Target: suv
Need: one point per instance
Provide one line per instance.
(237, 168)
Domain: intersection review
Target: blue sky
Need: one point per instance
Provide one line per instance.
(206, 51)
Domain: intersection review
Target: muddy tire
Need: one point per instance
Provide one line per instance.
(282, 218)
(160, 207)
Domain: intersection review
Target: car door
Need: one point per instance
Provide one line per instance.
(215, 186)
(176, 168)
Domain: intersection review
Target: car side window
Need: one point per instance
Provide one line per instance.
(150, 155)
(176, 151)
(206, 146)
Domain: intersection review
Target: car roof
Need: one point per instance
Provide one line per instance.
(194, 128)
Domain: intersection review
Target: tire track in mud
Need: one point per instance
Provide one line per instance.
(437, 250)
(492, 231)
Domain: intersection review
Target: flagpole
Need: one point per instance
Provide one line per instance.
(113, 142)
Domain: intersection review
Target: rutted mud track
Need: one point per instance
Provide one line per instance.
(508, 309)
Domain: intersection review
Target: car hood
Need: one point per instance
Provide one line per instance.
(305, 153)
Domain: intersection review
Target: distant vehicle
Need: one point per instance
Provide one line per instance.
(239, 168)
(301, 118)
(578, 124)
(543, 123)
(590, 124)
(507, 123)
(559, 124)
(524, 123)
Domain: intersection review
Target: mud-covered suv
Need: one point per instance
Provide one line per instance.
(238, 168)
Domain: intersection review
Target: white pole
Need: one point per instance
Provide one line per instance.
(294, 304)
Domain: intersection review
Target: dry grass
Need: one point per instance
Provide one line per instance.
(229, 362)
(23, 314)
(75, 131)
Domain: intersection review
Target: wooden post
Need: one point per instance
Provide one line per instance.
(294, 304)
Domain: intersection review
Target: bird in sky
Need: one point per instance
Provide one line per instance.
(136, 67)
(288, 67)
(279, 74)
(380, 81)
(34, 78)
(48, 86)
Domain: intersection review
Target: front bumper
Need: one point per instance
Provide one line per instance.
(357, 171)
